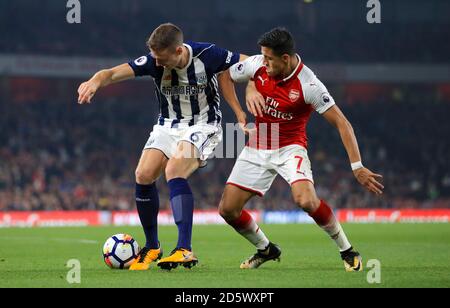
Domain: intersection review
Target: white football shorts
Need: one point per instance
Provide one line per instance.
(204, 137)
(255, 170)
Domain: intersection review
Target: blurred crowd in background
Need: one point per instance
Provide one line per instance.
(60, 155)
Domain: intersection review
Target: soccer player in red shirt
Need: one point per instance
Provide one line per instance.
(282, 93)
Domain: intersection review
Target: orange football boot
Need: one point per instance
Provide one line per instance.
(179, 256)
(144, 258)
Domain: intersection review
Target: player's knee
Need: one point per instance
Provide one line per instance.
(307, 202)
(227, 212)
(180, 168)
(144, 177)
(175, 169)
(223, 212)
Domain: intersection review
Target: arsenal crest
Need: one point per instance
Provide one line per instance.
(294, 95)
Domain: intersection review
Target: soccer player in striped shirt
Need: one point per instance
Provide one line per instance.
(186, 76)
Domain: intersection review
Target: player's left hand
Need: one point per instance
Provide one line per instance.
(369, 180)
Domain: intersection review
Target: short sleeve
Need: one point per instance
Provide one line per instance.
(218, 59)
(317, 95)
(246, 70)
(144, 66)
(315, 92)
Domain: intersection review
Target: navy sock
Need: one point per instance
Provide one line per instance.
(147, 202)
(182, 203)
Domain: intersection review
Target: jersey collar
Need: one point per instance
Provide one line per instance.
(297, 70)
(190, 57)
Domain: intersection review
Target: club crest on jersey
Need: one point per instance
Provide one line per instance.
(202, 78)
(294, 95)
(140, 61)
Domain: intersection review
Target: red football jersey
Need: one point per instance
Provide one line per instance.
(289, 102)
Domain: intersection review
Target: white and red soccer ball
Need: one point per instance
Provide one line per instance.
(120, 250)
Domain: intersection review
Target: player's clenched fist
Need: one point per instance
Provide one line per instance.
(369, 180)
(86, 91)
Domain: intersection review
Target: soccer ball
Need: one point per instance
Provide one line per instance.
(120, 250)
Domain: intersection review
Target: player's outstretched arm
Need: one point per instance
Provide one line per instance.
(364, 176)
(101, 79)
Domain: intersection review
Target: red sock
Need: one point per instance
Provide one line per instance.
(242, 222)
(323, 214)
(246, 226)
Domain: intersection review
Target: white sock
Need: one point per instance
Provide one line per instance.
(256, 236)
(325, 218)
(337, 234)
(247, 227)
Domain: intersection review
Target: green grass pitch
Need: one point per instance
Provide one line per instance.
(411, 255)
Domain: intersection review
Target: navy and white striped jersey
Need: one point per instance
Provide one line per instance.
(189, 95)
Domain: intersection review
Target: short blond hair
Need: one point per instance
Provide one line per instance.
(165, 36)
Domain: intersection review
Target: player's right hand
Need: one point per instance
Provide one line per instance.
(242, 121)
(255, 102)
(86, 91)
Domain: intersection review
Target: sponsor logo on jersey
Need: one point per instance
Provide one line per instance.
(183, 90)
(271, 109)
